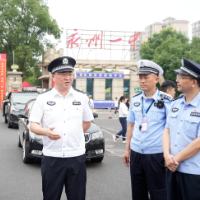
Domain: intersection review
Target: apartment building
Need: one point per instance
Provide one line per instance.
(178, 25)
(196, 29)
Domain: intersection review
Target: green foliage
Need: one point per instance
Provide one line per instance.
(167, 49)
(24, 25)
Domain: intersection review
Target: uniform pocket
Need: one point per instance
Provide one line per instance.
(190, 127)
(138, 114)
(50, 114)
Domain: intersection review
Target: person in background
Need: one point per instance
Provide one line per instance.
(127, 102)
(123, 112)
(116, 104)
(168, 87)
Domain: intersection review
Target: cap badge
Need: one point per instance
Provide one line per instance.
(142, 64)
(65, 61)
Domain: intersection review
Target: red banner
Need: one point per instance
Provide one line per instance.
(2, 77)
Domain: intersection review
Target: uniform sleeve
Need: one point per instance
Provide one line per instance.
(37, 110)
(167, 125)
(198, 130)
(87, 111)
(131, 115)
(168, 106)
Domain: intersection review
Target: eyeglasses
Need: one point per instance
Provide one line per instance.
(65, 74)
(179, 77)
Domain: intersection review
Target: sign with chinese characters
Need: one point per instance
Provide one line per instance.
(107, 40)
(104, 103)
(2, 77)
(100, 75)
(137, 90)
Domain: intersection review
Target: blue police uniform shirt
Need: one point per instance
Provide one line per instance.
(184, 124)
(150, 141)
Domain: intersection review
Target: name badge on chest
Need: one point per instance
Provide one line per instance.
(76, 103)
(196, 114)
(143, 126)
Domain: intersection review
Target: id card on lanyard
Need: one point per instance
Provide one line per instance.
(144, 123)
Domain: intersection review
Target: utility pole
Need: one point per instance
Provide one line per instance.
(13, 57)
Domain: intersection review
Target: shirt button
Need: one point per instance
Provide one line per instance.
(64, 109)
(185, 108)
(178, 132)
(64, 121)
(64, 133)
(175, 145)
(141, 142)
(181, 120)
(63, 146)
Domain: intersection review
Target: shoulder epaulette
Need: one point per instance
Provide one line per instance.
(46, 91)
(166, 96)
(80, 91)
(137, 94)
(177, 98)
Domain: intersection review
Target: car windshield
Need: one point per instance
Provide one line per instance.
(23, 99)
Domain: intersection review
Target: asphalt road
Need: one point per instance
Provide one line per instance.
(108, 180)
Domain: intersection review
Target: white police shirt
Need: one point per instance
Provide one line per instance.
(66, 114)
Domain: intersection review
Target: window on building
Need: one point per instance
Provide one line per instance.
(108, 89)
(90, 86)
(127, 88)
(74, 83)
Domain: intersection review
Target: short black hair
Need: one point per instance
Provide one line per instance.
(167, 84)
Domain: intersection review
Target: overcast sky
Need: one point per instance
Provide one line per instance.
(119, 15)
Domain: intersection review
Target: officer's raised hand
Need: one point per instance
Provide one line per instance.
(50, 134)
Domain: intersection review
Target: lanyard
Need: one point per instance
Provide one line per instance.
(144, 112)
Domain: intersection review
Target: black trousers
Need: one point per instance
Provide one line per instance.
(147, 174)
(60, 172)
(181, 186)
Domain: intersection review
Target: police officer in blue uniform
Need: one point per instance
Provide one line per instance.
(62, 115)
(147, 116)
(181, 138)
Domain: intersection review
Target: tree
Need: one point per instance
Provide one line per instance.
(167, 49)
(24, 27)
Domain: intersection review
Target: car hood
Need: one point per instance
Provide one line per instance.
(93, 128)
(19, 106)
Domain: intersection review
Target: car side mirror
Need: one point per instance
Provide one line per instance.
(22, 115)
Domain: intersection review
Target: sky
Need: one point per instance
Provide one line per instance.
(118, 15)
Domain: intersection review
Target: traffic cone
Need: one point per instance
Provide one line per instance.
(110, 115)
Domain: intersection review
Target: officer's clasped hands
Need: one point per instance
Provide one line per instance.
(51, 134)
(171, 163)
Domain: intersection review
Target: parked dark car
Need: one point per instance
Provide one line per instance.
(15, 104)
(32, 144)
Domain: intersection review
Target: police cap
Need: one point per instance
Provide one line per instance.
(62, 64)
(148, 67)
(189, 68)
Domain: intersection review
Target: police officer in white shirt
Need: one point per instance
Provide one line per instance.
(64, 115)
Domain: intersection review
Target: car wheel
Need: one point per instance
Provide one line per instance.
(25, 158)
(96, 159)
(19, 142)
(6, 121)
(9, 125)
